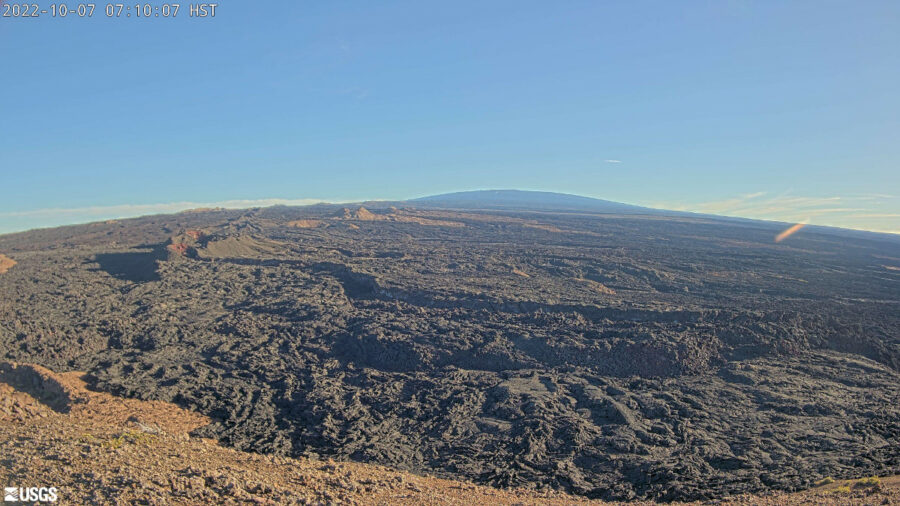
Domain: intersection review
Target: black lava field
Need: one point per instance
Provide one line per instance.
(616, 355)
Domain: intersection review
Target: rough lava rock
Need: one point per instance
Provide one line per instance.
(613, 355)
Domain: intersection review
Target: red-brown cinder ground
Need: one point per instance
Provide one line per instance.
(178, 248)
(99, 449)
(304, 223)
(6, 263)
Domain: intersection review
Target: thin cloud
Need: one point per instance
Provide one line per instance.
(612, 161)
(878, 196)
(16, 221)
(867, 212)
(168, 207)
(875, 215)
(355, 92)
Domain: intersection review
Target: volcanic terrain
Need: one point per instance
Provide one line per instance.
(597, 349)
(95, 448)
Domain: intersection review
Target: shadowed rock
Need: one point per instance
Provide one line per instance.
(137, 267)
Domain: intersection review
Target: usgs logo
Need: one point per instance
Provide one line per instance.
(29, 494)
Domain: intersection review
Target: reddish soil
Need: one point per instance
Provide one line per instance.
(100, 449)
(304, 223)
(398, 216)
(195, 234)
(179, 248)
(364, 214)
(6, 263)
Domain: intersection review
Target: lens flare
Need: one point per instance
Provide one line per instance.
(789, 232)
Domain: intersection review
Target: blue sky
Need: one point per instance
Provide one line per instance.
(766, 109)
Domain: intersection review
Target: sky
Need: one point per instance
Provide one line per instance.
(778, 110)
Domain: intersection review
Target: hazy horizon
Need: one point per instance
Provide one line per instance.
(756, 110)
(22, 221)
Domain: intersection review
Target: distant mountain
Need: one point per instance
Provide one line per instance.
(551, 201)
(530, 200)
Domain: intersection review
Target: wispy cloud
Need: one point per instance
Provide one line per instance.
(876, 212)
(168, 207)
(354, 92)
(877, 196)
(612, 161)
(13, 221)
(875, 215)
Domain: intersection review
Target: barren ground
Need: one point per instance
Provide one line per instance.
(609, 356)
(99, 449)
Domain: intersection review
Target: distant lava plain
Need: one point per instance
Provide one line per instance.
(509, 338)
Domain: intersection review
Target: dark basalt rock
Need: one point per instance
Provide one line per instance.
(615, 356)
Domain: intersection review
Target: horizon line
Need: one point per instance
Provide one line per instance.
(94, 214)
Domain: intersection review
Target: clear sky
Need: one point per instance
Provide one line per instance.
(786, 110)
